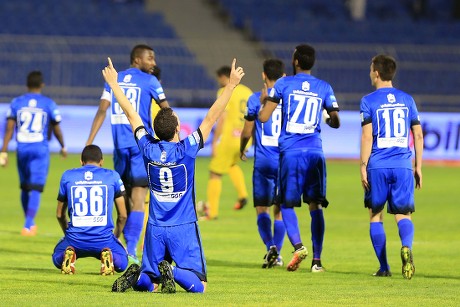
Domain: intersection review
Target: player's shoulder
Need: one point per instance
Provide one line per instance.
(255, 96)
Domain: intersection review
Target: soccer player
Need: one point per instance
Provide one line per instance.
(387, 117)
(172, 230)
(33, 115)
(141, 87)
(87, 193)
(226, 146)
(266, 157)
(302, 163)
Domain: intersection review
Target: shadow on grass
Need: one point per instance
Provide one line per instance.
(24, 251)
(397, 275)
(226, 263)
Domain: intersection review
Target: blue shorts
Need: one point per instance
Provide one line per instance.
(302, 173)
(33, 163)
(395, 185)
(92, 249)
(181, 244)
(129, 163)
(264, 183)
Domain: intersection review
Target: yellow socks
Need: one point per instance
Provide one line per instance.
(213, 194)
(237, 177)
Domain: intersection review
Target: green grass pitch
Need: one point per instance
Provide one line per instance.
(234, 251)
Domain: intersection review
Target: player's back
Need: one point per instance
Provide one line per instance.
(140, 88)
(234, 119)
(265, 134)
(171, 170)
(90, 192)
(392, 113)
(304, 97)
(33, 113)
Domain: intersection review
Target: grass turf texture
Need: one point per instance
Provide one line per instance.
(234, 251)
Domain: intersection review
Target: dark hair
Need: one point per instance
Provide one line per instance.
(165, 124)
(274, 69)
(138, 50)
(224, 71)
(34, 79)
(91, 153)
(385, 65)
(305, 55)
(157, 72)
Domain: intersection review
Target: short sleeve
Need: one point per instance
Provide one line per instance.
(106, 94)
(156, 90)
(414, 116)
(55, 114)
(140, 134)
(276, 93)
(11, 112)
(62, 194)
(193, 143)
(119, 186)
(330, 102)
(365, 112)
(253, 107)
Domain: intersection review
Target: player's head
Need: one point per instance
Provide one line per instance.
(383, 67)
(91, 154)
(273, 69)
(303, 58)
(143, 57)
(166, 124)
(35, 80)
(223, 75)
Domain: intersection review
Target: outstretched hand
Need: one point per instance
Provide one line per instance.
(109, 73)
(236, 74)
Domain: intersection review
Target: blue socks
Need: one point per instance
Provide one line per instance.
(264, 224)
(278, 234)
(406, 232)
(143, 283)
(24, 200)
(317, 232)
(188, 280)
(378, 238)
(132, 231)
(32, 207)
(292, 225)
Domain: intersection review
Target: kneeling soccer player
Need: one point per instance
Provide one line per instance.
(172, 231)
(88, 193)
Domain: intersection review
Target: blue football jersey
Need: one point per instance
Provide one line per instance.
(33, 114)
(89, 192)
(266, 134)
(140, 88)
(171, 171)
(392, 113)
(304, 98)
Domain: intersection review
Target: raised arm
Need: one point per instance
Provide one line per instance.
(219, 105)
(110, 76)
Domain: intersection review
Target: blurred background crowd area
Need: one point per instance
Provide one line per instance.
(70, 40)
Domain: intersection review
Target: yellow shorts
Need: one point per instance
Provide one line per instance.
(227, 154)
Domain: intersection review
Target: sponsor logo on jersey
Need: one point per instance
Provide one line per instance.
(305, 86)
(127, 78)
(32, 103)
(88, 175)
(391, 98)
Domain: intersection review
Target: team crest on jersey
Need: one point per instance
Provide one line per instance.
(32, 103)
(127, 78)
(391, 98)
(88, 175)
(163, 156)
(305, 86)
